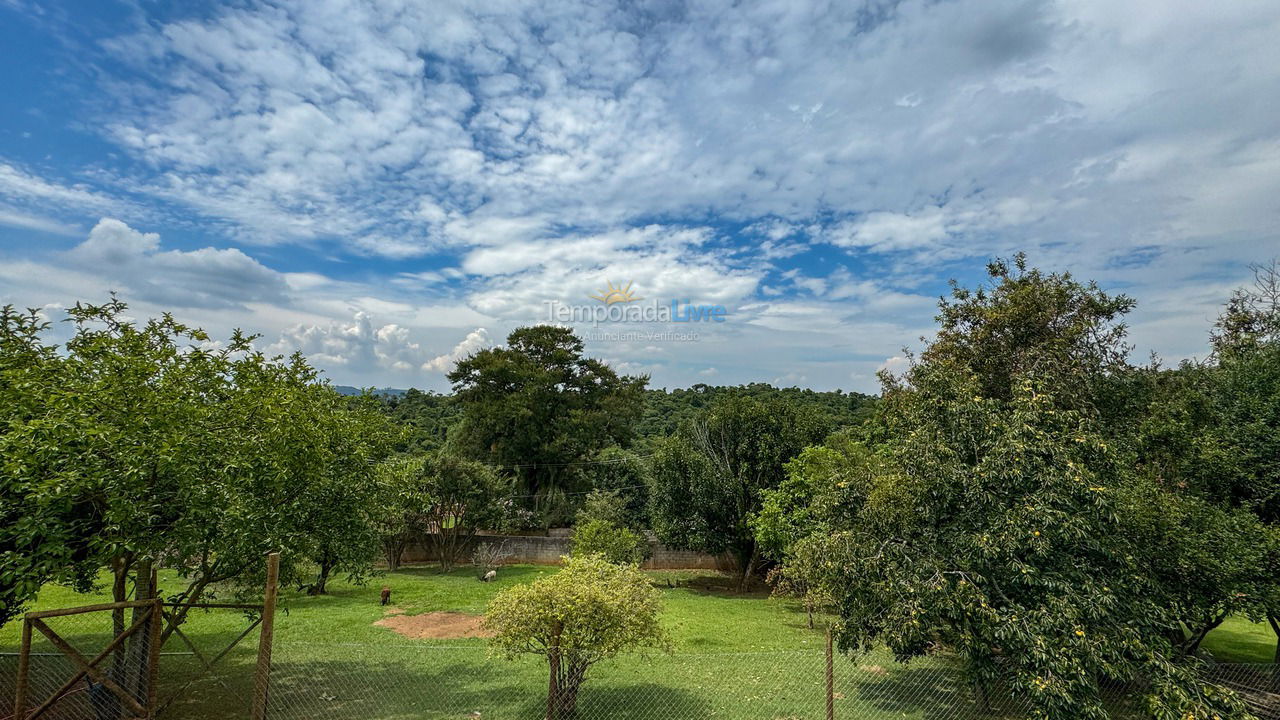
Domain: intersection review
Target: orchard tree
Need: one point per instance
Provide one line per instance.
(464, 496)
(398, 513)
(336, 515)
(47, 532)
(709, 480)
(169, 448)
(588, 612)
(996, 517)
(542, 409)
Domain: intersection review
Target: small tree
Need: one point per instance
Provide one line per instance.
(602, 528)
(487, 557)
(465, 496)
(616, 544)
(397, 519)
(588, 612)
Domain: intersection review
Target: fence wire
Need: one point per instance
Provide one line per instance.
(318, 680)
(313, 679)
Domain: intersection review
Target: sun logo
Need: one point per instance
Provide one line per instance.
(616, 295)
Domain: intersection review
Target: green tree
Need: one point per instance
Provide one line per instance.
(995, 518)
(398, 513)
(709, 480)
(602, 528)
(465, 496)
(541, 408)
(336, 515)
(46, 532)
(626, 475)
(173, 449)
(588, 612)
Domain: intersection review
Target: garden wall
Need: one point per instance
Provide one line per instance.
(547, 550)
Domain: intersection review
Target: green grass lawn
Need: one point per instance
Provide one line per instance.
(734, 656)
(1239, 641)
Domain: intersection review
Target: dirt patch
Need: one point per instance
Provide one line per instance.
(436, 625)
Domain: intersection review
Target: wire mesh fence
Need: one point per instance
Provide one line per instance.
(397, 679)
(201, 672)
(418, 680)
(320, 680)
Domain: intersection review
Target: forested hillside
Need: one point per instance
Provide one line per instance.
(429, 415)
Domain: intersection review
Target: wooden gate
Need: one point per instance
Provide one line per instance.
(130, 689)
(138, 705)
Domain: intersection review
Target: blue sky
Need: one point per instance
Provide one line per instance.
(387, 186)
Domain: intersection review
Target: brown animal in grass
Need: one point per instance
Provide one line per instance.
(386, 595)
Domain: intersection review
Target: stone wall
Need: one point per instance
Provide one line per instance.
(547, 550)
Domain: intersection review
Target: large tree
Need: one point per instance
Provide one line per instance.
(542, 409)
(995, 513)
(175, 449)
(709, 479)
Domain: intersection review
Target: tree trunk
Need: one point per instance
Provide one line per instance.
(748, 567)
(322, 579)
(393, 550)
(120, 567)
(1192, 644)
(139, 644)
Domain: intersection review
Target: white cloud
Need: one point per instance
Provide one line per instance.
(475, 340)
(206, 277)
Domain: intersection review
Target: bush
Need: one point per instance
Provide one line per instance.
(588, 612)
(615, 544)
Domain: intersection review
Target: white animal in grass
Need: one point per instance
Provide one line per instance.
(491, 576)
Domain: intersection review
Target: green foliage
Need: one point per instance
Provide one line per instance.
(614, 543)
(666, 410)
(709, 480)
(399, 506)
(465, 496)
(624, 475)
(539, 407)
(588, 612)
(994, 513)
(426, 416)
(46, 532)
(167, 447)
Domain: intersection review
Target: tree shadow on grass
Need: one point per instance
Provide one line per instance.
(394, 690)
(930, 693)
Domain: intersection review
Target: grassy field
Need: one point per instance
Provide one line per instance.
(736, 656)
(1239, 641)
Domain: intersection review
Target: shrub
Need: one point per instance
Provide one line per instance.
(615, 544)
(588, 612)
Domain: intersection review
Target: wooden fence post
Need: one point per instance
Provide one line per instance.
(262, 676)
(24, 668)
(831, 683)
(153, 652)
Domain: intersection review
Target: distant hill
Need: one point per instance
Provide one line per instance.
(382, 392)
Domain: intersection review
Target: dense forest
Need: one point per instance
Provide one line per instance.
(429, 415)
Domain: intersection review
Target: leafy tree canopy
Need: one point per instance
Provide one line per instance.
(542, 409)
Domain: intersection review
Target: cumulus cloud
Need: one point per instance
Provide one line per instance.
(475, 340)
(206, 277)
(819, 168)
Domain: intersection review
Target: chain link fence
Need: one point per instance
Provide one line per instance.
(413, 680)
(205, 675)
